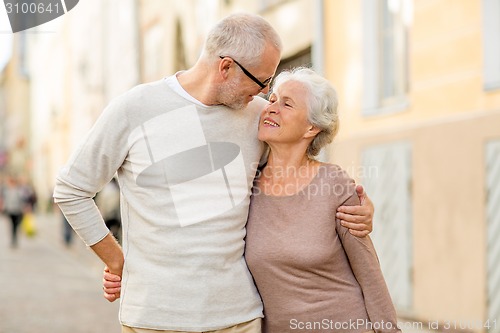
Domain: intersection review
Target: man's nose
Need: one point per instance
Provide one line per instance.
(265, 91)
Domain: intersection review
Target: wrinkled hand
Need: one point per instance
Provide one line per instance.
(359, 219)
(112, 285)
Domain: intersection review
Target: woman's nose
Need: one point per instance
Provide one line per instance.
(272, 108)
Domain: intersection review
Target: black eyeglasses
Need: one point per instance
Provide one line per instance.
(262, 85)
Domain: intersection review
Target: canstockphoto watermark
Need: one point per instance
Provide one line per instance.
(328, 324)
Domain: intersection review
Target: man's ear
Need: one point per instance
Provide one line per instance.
(224, 66)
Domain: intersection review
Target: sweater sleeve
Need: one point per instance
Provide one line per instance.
(90, 167)
(366, 268)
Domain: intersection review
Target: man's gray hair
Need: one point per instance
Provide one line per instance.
(242, 36)
(322, 103)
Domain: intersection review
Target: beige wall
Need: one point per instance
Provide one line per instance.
(447, 123)
(445, 63)
(448, 209)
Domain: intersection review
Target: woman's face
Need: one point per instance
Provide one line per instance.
(284, 119)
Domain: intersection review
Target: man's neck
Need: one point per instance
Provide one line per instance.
(197, 83)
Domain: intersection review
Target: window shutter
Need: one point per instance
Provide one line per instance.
(388, 183)
(493, 232)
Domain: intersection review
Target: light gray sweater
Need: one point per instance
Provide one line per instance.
(185, 172)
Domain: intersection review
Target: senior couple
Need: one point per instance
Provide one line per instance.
(186, 152)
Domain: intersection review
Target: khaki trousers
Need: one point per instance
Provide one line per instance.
(253, 326)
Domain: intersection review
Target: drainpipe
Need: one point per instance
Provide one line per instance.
(137, 23)
(317, 54)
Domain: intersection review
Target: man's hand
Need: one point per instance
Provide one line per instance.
(359, 219)
(112, 285)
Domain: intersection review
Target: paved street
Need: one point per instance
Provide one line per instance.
(46, 287)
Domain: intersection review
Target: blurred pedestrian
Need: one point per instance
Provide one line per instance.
(67, 231)
(186, 151)
(13, 206)
(108, 202)
(29, 195)
(2, 186)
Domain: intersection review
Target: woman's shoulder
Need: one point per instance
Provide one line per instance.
(334, 172)
(339, 181)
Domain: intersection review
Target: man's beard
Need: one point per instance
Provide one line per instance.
(230, 96)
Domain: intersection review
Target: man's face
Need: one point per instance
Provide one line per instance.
(232, 95)
(239, 89)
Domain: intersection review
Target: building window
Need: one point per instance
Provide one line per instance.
(491, 44)
(302, 58)
(493, 229)
(385, 62)
(266, 4)
(387, 178)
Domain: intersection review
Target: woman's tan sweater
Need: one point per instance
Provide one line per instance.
(312, 274)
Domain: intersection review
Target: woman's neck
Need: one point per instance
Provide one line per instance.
(286, 173)
(279, 162)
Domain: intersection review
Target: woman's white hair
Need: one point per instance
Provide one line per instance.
(242, 36)
(322, 103)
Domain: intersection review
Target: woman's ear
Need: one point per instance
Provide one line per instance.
(312, 132)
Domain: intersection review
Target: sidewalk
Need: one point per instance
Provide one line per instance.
(46, 287)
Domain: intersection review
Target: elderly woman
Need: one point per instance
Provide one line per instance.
(311, 273)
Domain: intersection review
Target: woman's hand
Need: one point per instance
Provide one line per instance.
(112, 285)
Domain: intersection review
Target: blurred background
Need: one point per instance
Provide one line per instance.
(419, 90)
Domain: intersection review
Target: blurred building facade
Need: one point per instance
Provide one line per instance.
(420, 124)
(77, 65)
(419, 89)
(15, 128)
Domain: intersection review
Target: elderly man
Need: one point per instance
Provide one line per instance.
(185, 151)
